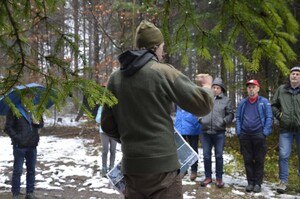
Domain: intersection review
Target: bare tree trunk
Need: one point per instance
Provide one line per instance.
(76, 30)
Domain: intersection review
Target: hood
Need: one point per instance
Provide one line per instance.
(218, 81)
(133, 60)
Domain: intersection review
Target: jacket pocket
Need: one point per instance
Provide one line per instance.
(285, 120)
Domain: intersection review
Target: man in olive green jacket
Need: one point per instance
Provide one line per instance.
(286, 108)
(141, 121)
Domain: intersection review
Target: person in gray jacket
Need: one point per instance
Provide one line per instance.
(214, 127)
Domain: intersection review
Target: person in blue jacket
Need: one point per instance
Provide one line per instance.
(189, 127)
(254, 121)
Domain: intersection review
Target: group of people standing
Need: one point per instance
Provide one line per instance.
(254, 121)
(142, 122)
(212, 127)
(146, 90)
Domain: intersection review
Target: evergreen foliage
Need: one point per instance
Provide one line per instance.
(23, 26)
(268, 27)
(35, 43)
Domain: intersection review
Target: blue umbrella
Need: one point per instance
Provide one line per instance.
(15, 96)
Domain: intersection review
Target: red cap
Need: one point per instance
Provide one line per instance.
(252, 81)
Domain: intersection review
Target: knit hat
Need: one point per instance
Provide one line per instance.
(148, 35)
(296, 68)
(218, 81)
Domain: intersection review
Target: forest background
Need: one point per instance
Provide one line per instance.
(71, 46)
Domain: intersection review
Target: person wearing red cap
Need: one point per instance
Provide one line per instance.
(286, 109)
(254, 120)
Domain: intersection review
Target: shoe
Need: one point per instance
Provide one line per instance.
(30, 196)
(257, 188)
(281, 188)
(15, 196)
(193, 176)
(206, 182)
(249, 187)
(220, 183)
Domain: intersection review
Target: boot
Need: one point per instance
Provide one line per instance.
(30, 196)
(206, 182)
(281, 188)
(193, 176)
(219, 183)
(249, 187)
(257, 188)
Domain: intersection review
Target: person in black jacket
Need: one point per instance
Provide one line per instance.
(23, 132)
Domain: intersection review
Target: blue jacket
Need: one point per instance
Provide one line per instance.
(98, 118)
(186, 123)
(265, 113)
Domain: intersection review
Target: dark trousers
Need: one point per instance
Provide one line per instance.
(153, 186)
(253, 148)
(108, 144)
(20, 154)
(193, 142)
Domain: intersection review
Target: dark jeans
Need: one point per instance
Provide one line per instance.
(208, 142)
(154, 186)
(193, 141)
(21, 154)
(253, 148)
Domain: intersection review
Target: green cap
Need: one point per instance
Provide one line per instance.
(148, 35)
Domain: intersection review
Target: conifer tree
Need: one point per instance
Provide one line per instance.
(33, 43)
(27, 32)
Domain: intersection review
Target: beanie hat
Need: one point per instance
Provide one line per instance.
(296, 68)
(148, 35)
(218, 81)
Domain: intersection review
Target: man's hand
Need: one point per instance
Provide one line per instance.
(204, 80)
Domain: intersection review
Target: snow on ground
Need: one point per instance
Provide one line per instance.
(66, 120)
(58, 155)
(62, 159)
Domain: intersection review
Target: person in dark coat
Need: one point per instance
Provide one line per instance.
(23, 132)
(286, 109)
(142, 122)
(254, 121)
(214, 127)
